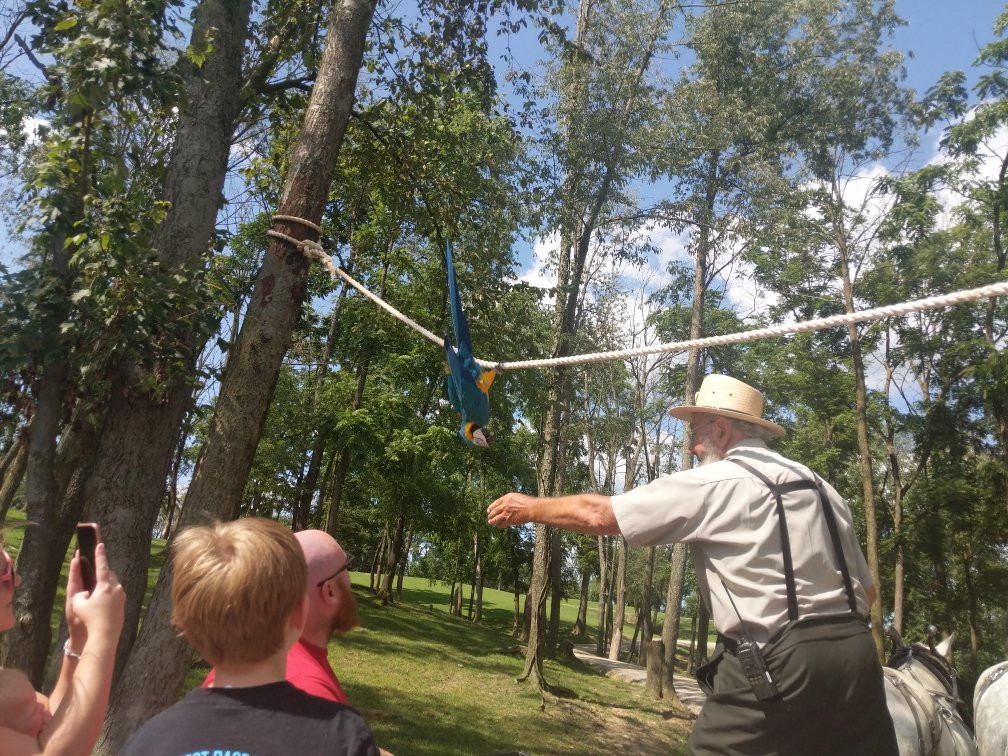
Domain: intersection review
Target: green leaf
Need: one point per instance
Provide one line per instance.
(67, 23)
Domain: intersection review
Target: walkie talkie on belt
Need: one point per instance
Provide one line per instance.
(751, 658)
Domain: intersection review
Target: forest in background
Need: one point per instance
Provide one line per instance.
(164, 361)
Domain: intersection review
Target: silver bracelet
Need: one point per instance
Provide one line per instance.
(68, 650)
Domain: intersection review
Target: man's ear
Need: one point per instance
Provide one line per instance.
(330, 593)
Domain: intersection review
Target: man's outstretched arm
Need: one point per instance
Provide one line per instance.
(587, 513)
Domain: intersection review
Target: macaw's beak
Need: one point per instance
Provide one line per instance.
(485, 380)
(479, 439)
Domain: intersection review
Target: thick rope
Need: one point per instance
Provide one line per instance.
(818, 324)
(313, 250)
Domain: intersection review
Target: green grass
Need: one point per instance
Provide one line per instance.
(431, 683)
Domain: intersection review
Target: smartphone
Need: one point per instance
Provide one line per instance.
(87, 539)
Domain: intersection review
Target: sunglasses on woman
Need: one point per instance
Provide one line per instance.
(6, 568)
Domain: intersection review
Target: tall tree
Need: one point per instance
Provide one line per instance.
(852, 114)
(602, 81)
(220, 475)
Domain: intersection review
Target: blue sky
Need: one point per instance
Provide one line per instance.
(943, 35)
(939, 36)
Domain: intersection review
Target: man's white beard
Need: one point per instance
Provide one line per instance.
(709, 456)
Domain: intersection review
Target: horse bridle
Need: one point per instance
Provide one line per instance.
(914, 703)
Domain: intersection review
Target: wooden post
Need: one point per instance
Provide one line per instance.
(655, 660)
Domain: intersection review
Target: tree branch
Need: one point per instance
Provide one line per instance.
(13, 28)
(31, 56)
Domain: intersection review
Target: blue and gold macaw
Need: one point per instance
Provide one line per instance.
(468, 383)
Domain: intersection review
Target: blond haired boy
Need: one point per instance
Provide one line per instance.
(239, 598)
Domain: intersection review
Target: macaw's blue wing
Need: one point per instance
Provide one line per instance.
(468, 383)
(464, 393)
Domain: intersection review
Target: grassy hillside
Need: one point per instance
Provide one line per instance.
(430, 683)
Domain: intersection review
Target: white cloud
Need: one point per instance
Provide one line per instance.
(30, 128)
(539, 272)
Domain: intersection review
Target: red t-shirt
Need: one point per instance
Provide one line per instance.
(308, 668)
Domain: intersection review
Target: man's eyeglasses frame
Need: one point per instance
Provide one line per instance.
(346, 566)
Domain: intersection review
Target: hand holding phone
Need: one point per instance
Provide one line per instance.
(87, 539)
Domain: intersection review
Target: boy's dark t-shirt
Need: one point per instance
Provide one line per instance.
(265, 720)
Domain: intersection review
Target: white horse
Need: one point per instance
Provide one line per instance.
(990, 710)
(923, 697)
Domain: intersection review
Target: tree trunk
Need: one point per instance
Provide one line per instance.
(864, 451)
(638, 624)
(404, 564)
(379, 557)
(173, 502)
(385, 591)
(899, 567)
(26, 645)
(694, 371)
(616, 645)
(603, 599)
(157, 667)
(972, 617)
(12, 480)
(518, 625)
(703, 629)
(576, 234)
(11, 453)
(654, 656)
(318, 445)
(537, 607)
(339, 477)
(690, 668)
(670, 626)
(646, 629)
(478, 583)
(526, 621)
(556, 592)
(581, 626)
(999, 404)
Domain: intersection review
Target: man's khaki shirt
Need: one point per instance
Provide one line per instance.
(729, 516)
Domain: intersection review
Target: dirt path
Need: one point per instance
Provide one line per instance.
(686, 687)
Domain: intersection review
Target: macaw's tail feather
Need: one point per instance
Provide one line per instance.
(463, 339)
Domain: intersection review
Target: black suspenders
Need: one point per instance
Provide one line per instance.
(831, 525)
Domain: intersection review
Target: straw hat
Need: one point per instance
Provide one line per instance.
(728, 397)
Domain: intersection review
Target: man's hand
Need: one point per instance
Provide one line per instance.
(510, 509)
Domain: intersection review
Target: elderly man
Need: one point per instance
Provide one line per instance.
(332, 609)
(778, 563)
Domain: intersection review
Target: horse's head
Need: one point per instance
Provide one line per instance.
(943, 649)
(934, 660)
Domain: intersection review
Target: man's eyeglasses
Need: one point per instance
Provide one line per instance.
(344, 568)
(6, 567)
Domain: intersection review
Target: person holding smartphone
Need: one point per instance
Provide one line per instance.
(77, 705)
